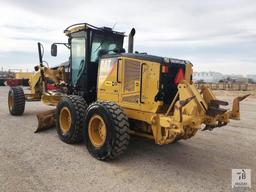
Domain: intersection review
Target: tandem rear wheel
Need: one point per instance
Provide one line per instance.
(103, 126)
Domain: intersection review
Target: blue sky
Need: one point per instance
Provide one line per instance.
(213, 35)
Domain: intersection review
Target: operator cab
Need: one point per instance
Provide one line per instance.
(87, 44)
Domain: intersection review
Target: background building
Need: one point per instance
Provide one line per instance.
(208, 77)
(215, 77)
(252, 77)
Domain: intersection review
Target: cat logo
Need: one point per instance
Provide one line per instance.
(108, 83)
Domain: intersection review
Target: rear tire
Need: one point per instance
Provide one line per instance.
(16, 101)
(70, 116)
(116, 126)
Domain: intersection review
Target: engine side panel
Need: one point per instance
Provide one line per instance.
(132, 83)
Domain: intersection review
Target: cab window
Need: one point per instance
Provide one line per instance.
(78, 57)
(103, 44)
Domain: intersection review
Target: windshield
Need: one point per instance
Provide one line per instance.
(103, 44)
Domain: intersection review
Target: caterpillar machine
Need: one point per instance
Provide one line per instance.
(104, 95)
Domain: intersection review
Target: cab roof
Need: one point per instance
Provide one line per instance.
(84, 26)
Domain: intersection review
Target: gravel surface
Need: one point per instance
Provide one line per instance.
(41, 162)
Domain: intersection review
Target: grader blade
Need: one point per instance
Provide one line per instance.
(46, 120)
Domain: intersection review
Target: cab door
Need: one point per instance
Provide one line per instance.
(78, 60)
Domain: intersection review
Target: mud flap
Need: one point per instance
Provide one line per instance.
(46, 120)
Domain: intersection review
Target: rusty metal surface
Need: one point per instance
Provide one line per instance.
(218, 102)
(46, 120)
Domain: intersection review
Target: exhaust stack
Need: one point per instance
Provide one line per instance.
(130, 40)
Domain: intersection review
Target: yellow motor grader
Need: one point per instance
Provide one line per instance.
(105, 95)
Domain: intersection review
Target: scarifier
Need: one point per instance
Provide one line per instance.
(103, 94)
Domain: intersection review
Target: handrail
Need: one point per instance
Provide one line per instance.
(141, 79)
(117, 69)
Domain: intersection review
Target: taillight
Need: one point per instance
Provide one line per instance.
(165, 69)
(180, 76)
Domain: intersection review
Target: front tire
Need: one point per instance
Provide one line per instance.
(106, 132)
(70, 116)
(16, 101)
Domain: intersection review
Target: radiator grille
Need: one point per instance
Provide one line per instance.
(131, 74)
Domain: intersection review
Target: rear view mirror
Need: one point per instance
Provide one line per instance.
(54, 50)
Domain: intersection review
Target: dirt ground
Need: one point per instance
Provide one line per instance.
(41, 162)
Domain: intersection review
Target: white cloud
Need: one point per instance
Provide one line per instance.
(212, 34)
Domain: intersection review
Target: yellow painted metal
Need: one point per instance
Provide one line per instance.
(145, 135)
(139, 115)
(235, 113)
(150, 86)
(45, 119)
(207, 94)
(35, 81)
(186, 91)
(50, 98)
(56, 75)
(35, 85)
(23, 75)
(125, 89)
(133, 84)
(121, 81)
(108, 87)
(65, 120)
(157, 129)
(97, 131)
(32, 97)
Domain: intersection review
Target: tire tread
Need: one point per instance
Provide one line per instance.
(121, 127)
(80, 106)
(19, 101)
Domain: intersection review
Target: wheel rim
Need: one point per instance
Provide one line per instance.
(10, 101)
(97, 131)
(65, 120)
